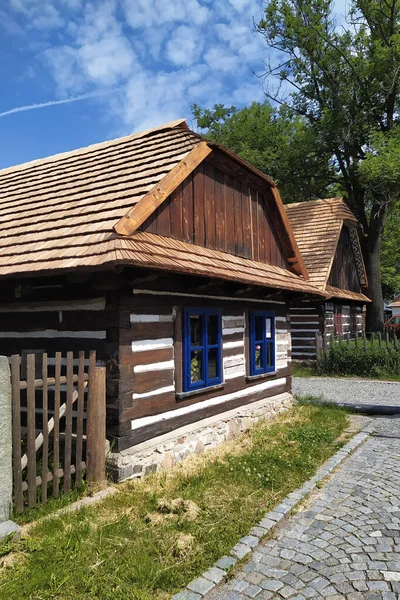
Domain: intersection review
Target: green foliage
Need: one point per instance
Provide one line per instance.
(280, 144)
(390, 254)
(373, 361)
(380, 169)
(114, 551)
(345, 81)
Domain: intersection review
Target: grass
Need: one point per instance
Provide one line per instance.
(52, 504)
(299, 370)
(155, 535)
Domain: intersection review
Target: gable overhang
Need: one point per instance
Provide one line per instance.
(138, 214)
(351, 226)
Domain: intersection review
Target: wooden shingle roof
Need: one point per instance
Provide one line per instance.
(317, 225)
(62, 212)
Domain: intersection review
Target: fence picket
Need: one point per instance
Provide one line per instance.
(31, 425)
(79, 424)
(68, 424)
(45, 417)
(379, 338)
(60, 426)
(16, 432)
(365, 340)
(394, 340)
(348, 339)
(56, 436)
(96, 422)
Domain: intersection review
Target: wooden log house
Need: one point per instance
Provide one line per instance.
(326, 232)
(172, 258)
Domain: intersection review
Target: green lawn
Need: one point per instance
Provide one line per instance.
(155, 535)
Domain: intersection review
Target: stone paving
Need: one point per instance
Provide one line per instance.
(350, 391)
(344, 544)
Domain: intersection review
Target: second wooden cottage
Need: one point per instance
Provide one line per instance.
(327, 236)
(173, 259)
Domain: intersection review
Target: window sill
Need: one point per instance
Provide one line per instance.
(212, 388)
(260, 376)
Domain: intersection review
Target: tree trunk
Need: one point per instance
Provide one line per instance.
(372, 257)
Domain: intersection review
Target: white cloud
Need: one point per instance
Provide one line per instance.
(100, 55)
(184, 46)
(40, 15)
(219, 59)
(163, 55)
(248, 93)
(149, 13)
(106, 61)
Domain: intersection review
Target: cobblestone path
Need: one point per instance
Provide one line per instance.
(344, 544)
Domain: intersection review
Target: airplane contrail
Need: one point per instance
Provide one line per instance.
(54, 102)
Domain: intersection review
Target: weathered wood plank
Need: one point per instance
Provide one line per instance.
(198, 206)
(31, 427)
(187, 210)
(79, 423)
(153, 199)
(96, 426)
(68, 424)
(56, 435)
(45, 447)
(176, 211)
(209, 206)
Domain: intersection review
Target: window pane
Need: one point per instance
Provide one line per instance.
(196, 330)
(213, 327)
(258, 356)
(259, 327)
(270, 359)
(268, 328)
(196, 365)
(213, 363)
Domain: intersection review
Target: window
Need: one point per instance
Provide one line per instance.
(353, 319)
(202, 356)
(338, 320)
(262, 342)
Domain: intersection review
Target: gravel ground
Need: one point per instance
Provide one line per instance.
(353, 392)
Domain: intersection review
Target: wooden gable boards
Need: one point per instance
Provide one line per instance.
(138, 214)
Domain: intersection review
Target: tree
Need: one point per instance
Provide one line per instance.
(345, 83)
(280, 144)
(390, 255)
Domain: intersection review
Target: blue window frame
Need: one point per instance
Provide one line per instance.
(202, 348)
(262, 342)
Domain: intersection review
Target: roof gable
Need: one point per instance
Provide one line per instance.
(317, 226)
(60, 212)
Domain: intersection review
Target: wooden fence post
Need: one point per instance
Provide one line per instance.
(6, 452)
(16, 432)
(96, 425)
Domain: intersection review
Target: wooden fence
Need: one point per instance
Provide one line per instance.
(59, 422)
(386, 340)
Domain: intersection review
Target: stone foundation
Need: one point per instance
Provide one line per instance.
(166, 450)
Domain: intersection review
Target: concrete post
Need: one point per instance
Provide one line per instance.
(6, 526)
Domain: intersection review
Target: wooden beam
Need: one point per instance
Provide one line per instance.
(153, 199)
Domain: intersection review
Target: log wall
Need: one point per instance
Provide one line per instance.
(63, 318)
(308, 318)
(151, 398)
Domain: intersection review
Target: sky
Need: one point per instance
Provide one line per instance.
(76, 72)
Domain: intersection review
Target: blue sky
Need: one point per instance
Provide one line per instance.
(143, 62)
